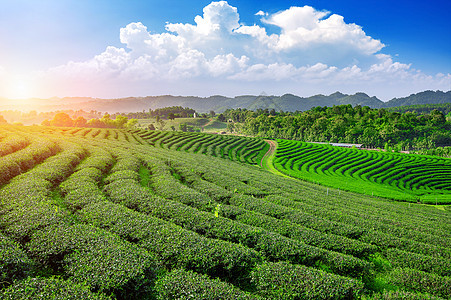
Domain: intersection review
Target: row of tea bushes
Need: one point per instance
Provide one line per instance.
(392, 175)
(181, 284)
(20, 161)
(50, 288)
(272, 281)
(96, 257)
(238, 232)
(12, 143)
(415, 280)
(171, 245)
(126, 240)
(82, 186)
(14, 262)
(27, 202)
(309, 236)
(246, 150)
(430, 240)
(285, 281)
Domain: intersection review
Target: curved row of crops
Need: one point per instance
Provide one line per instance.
(104, 214)
(246, 150)
(392, 175)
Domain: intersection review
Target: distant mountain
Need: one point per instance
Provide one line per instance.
(218, 103)
(426, 97)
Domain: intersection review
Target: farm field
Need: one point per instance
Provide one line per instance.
(237, 148)
(116, 214)
(399, 176)
(414, 178)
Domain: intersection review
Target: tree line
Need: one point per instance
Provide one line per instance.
(445, 108)
(170, 113)
(374, 128)
(63, 119)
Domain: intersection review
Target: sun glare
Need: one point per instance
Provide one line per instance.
(20, 90)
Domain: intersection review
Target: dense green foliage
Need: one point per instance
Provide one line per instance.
(108, 213)
(346, 124)
(391, 175)
(50, 288)
(181, 284)
(164, 113)
(284, 281)
(445, 108)
(176, 111)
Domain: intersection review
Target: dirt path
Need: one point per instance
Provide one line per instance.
(208, 123)
(270, 152)
(267, 160)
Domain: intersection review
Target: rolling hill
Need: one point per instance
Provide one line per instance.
(96, 213)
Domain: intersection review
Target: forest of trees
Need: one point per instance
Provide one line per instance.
(445, 108)
(374, 128)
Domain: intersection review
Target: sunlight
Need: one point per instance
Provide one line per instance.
(20, 90)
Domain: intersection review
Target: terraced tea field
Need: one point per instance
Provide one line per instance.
(391, 175)
(397, 176)
(246, 150)
(111, 214)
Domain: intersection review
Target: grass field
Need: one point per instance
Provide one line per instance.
(215, 126)
(105, 214)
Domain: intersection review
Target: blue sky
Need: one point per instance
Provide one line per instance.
(49, 48)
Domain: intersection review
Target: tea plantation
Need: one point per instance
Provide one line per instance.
(393, 175)
(115, 214)
(399, 176)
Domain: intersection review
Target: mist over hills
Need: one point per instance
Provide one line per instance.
(217, 103)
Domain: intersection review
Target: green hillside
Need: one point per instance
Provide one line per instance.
(413, 178)
(390, 175)
(426, 97)
(112, 214)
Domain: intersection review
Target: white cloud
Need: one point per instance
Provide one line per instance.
(135, 36)
(219, 19)
(387, 65)
(314, 48)
(226, 64)
(271, 72)
(261, 13)
(317, 36)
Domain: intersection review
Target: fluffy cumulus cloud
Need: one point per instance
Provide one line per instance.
(305, 27)
(311, 49)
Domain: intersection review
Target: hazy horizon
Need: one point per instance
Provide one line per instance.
(263, 93)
